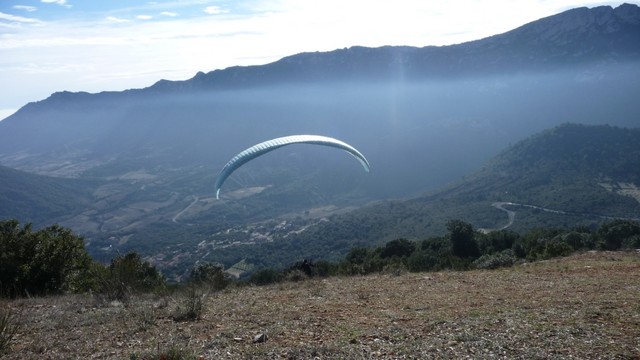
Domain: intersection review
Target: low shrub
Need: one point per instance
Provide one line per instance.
(8, 328)
(189, 308)
(504, 258)
(265, 277)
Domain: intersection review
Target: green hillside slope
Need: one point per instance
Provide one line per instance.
(568, 176)
(584, 174)
(40, 199)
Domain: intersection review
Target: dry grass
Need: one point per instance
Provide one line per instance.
(586, 306)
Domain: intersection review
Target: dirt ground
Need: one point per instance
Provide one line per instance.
(586, 306)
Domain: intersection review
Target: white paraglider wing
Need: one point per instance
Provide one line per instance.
(270, 145)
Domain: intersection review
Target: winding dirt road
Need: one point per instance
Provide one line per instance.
(512, 214)
(195, 200)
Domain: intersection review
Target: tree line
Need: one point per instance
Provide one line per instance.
(463, 248)
(53, 260)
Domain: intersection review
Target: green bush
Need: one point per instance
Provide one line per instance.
(496, 241)
(323, 268)
(211, 275)
(578, 240)
(436, 244)
(532, 244)
(358, 255)
(556, 248)
(401, 248)
(394, 269)
(265, 277)
(632, 242)
(361, 261)
(126, 275)
(504, 258)
(422, 261)
(615, 233)
(295, 275)
(462, 237)
(49, 261)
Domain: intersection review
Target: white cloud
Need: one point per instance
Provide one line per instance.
(59, 2)
(114, 19)
(169, 13)
(214, 10)
(17, 19)
(25, 8)
(144, 17)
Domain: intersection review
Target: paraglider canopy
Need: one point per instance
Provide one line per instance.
(270, 145)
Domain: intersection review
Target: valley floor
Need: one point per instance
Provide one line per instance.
(585, 306)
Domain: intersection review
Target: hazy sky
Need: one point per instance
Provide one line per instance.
(96, 45)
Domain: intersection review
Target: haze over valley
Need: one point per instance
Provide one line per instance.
(448, 131)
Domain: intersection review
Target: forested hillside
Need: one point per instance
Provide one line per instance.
(41, 199)
(559, 178)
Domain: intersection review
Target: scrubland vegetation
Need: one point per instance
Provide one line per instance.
(438, 297)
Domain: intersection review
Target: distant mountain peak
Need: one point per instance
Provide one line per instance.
(571, 39)
(579, 22)
(576, 36)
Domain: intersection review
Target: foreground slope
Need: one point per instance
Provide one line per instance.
(584, 306)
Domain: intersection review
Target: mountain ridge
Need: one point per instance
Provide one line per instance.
(399, 61)
(476, 57)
